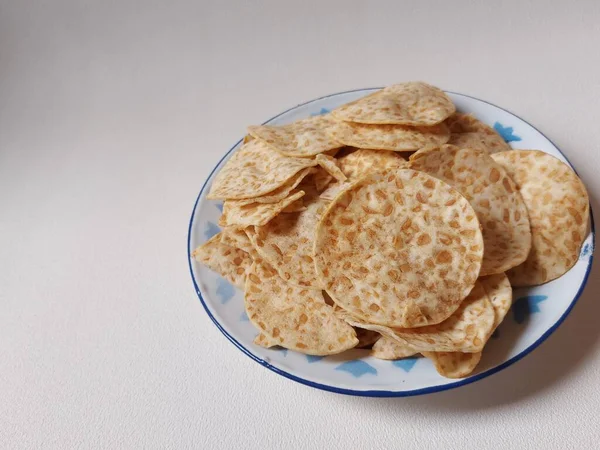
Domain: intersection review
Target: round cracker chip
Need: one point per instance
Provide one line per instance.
(494, 197)
(281, 192)
(454, 364)
(329, 164)
(263, 341)
(391, 349)
(413, 103)
(467, 330)
(469, 132)
(294, 318)
(558, 206)
(305, 137)
(255, 170)
(400, 248)
(236, 237)
(364, 161)
(499, 291)
(398, 138)
(457, 364)
(231, 263)
(287, 242)
(243, 214)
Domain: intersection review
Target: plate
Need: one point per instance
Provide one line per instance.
(535, 314)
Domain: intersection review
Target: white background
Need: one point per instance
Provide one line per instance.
(113, 113)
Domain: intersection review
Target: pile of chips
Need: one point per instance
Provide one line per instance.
(339, 241)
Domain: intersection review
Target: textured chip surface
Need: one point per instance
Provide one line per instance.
(397, 138)
(287, 241)
(399, 248)
(469, 132)
(266, 342)
(281, 192)
(412, 103)
(494, 197)
(364, 161)
(329, 163)
(231, 263)
(255, 170)
(254, 214)
(236, 237)
(305, 137)
(294, 318)
(457, 364)
(467, 330)
(454, 364)
(558, 206)
(391, 349)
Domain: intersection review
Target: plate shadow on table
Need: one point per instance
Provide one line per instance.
(560, 356)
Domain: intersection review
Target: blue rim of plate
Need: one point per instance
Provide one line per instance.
(382, 393)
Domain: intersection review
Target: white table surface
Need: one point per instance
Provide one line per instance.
(111, 116)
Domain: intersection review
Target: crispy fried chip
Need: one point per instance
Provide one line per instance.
(305, 137)
(399, 248)
(262, 340)
(255, 170)
(322, 179)
(294, 318)
(494, 197)
(254, 214)
(364, 161)
(281, 192)
(469, 132)
(467, 330)
(236, 237)
(391, 349)
(457, 364)
(334, 189)
(329, 164)
(287, 241)
(414, 103)
(454, 364)
(231, 263)
(558, 206)
(398, 138)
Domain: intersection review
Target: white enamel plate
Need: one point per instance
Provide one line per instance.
(535, 314)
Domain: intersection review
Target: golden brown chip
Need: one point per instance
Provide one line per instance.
(364, 161)
(254, 214)
(457, 364)
(414, 103)
(255, 170)
(467, 330)
(293, 317)
(305, 137)
(282, 192)
(330, 165)
(469, 132)
(398, 138)
(237, 238)
(391, 349)
(558, 206)
(399, 248)
(454, 364)
(322, 179)
(287, 241)
(231, 263)
(264, 341)
(492, 194)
